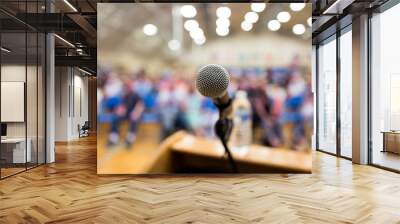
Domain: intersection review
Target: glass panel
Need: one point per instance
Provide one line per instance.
(313, 83)
(327, 97)
(13, 86)
(31, 97)
(41, 98)
(23, 90)
(385, 86)
(346, 94)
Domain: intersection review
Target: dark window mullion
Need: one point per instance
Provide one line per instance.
(369, 100)
(317, 96)
(26, 87)
(338, 98)
(37, 91)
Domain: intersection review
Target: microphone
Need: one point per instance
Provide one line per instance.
(213, 81)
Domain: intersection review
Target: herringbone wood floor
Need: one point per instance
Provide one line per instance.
(70, 191)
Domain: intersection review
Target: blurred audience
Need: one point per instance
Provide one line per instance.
(281, 100)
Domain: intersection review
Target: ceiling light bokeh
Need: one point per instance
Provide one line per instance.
(283, 17)
(274, 25)
(188, 11)
(297, 6)
(174, 45)
(299, 29)
(223, 12)
(251, 17)
(223, 22)
(150, 29)
(196, 33)
(309, 21)
(246, 26)
(222, 31)
(190, 24)
(200, 40)
(257, 7)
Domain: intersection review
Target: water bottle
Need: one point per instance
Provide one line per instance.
(242, 132)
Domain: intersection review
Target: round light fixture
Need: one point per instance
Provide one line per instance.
(223, 12)
(297, 6)
(150, 29)
(257, 7)
(190, 24)
(309, 21)
(188, 11)
(274, 25)
(299, 29)
(251, 17)
(223, 22)
(283, 17)
(246, 26)
(174, 45)
(222, 31)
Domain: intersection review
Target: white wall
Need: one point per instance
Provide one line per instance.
(71, 93)
(33, 126)
(12, 73)
(80, 108)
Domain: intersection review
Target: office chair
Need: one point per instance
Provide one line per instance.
(84, 130)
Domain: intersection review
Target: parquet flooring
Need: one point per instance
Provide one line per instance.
(70, 191)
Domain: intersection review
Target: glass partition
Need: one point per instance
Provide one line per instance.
(346, 94)
(22, 88)
(14, 153)
(327, 96)
(385, 89)
(41, 86)
(31, 97)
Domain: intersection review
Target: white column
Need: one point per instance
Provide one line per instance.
(50, 99)
(50, 92)
(360, 90)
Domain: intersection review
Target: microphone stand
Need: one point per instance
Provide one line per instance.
(223, 129)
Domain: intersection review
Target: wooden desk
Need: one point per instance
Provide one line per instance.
(182, 151)
(13, 150)
(260, 157)
(391, 141)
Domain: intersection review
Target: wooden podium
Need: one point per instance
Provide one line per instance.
(185, 153)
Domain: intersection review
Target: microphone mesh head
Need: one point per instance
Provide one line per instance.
(212, 80)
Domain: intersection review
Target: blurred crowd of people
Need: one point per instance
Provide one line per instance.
(281, 101)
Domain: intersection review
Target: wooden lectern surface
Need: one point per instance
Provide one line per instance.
(256, 154)
(150, 156)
